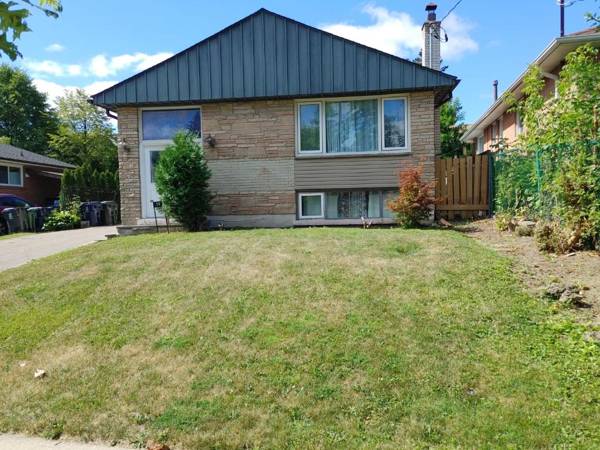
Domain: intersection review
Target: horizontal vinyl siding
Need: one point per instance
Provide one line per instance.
(349, 172)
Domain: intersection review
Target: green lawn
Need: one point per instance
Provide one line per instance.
(13, 235)
(308, 338)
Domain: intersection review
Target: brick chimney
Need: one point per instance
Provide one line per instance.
(431, 56)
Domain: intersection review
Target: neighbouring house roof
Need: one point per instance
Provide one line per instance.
(268, 56)
(16, 154)
(547, 61)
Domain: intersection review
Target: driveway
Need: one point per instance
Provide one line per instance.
(17, 442)
(21, 250)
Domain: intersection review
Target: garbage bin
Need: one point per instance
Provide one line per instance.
(22, 218)
(90, 212)
(37, 215)
(11, 219)
(109, 213)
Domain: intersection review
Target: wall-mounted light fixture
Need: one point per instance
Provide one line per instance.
(123, 145)
(211, 141)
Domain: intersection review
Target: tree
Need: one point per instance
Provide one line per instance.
(84, 135)
(12, 21)
(182, 176)
(25, 117)
(452, 128)
(565, 130)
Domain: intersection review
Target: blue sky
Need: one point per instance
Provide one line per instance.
(96, 43)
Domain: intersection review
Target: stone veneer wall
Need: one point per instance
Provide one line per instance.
(129, 166)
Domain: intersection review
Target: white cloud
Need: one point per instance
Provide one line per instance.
(55, 48)
(53, 68)
(54, 90)
(398, 33)
(101, 66)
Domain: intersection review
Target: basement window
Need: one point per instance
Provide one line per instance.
(349, 204)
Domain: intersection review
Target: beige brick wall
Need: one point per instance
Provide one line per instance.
(253, 161)
(423, 134)
(129, 166)
(250, 130)
(254, 203)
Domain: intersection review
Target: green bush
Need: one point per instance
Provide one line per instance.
(61, 220)
(182, 176)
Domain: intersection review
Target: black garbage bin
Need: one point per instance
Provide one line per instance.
(109, 212)
(11, 219)
(37, 214)
(91, 212)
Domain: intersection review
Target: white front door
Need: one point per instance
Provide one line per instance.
(150, 156)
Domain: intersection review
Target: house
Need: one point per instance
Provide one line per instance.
(299, 126)
(498, 123)
(33, 177)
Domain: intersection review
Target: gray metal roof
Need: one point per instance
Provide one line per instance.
(266, 55)
(16, 154)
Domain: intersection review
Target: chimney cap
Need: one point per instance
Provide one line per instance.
(431, 7)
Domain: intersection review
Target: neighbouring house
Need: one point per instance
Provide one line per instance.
(29, 175)
(499, 124)
(300, 127)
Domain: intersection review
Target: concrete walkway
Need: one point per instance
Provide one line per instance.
(20, 250)
(18, 442)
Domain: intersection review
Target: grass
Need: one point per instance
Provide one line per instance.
(13, 235)
(311, 338)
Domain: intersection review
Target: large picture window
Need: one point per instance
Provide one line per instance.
(339, 127)
(11, 175)
(164, 124)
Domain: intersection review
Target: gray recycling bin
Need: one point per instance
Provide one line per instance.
(91, 212)
(109, 213)
(37, 215)
(11, 219)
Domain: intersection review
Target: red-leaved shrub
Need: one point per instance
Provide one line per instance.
(414, 201)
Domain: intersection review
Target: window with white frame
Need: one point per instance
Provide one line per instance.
(519, 123)
(311, 205)
(480, 142)
(11, 175)
(163, 124)
(353, 126)
(345, 204)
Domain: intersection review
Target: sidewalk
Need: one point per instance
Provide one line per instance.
(18, 442)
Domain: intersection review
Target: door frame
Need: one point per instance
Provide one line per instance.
(158, 145)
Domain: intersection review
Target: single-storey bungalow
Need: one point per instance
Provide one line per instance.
(500, 124)
(31, 176)
(299, 126)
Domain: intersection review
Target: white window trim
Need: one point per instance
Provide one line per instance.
(311, 194)
(165, 108)
(322, 153)
(382, 124)
(12, 166)
(321, 128)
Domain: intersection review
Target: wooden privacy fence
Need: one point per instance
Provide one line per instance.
(462, 187)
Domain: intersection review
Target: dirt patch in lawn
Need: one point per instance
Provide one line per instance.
(538, 270)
